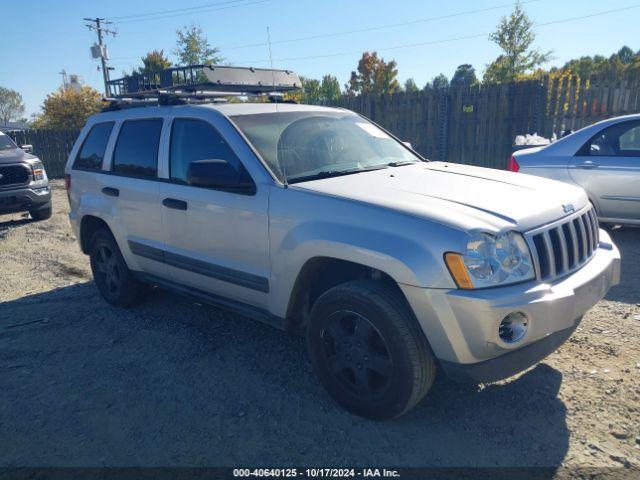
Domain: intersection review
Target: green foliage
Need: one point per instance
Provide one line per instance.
(515, 37)
(310, 90)
(330, 89)
(11, 105)
(374, 76)
(439, 82)
(625, 60)
(464, 75)
(68, 109)
(193, 48)
(410, 85)
(153, 62)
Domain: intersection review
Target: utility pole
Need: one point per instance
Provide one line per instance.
(64, 78)
(96, 24)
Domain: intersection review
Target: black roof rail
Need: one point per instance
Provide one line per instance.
(202, 82)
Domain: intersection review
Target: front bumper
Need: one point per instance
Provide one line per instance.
(24, 198)
(462, 325)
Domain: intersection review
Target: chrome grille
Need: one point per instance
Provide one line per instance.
(565, 245)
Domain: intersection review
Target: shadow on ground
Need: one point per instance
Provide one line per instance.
(13, 223)
(628, 241)
(174, 383)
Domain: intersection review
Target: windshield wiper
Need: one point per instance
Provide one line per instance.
(335, 173)
(400, 163)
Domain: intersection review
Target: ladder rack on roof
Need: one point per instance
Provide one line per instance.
(202, 82)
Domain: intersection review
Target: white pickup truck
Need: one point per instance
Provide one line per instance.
(318, 221)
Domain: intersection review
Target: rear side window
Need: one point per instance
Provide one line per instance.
(136, 151)
(193, 140)
(619, 140)
(92, 152)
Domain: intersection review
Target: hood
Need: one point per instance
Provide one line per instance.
(462, 196)
(14, 155)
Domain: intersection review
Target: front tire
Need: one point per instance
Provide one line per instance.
(43, 213)
(368, 350)
(113, 278)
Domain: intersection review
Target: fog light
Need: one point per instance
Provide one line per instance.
(513, 327)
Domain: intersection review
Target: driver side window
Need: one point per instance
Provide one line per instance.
(193, 140)
(620, 140)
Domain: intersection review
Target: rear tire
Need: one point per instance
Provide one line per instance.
(41, 213)
(368, 350)
(113, 278)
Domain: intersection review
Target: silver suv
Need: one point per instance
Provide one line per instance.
(317, 221)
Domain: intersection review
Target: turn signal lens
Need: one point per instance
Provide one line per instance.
(458, 270)
(513, 165)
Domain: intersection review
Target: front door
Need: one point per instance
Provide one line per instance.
(608, 167)
(217, 240)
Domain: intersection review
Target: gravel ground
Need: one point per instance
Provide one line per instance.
(171, 382)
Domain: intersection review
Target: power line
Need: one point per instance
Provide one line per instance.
(205, 10)
(164, 12)
(434, 42)
(379, 27)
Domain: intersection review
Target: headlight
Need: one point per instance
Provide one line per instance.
(37, 169)
(489, 261)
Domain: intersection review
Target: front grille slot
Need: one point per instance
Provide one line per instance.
(565, 247)
(14, 175)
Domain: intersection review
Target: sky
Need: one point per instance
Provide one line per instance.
(425, 37)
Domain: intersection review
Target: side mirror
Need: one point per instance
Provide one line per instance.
(408, 144)
(218, 173)
(27, 148)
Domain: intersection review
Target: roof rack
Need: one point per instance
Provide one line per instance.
(202, 83)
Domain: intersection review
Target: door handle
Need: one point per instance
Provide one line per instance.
(111, 192)
(587, 165)
(174, 203)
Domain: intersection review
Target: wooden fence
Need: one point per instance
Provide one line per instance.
(475, 125)
(50, 146)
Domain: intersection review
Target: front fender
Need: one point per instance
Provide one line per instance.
(405, 259)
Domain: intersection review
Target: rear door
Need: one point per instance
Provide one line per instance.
(131, 186)
(216, 240)
(608, 167)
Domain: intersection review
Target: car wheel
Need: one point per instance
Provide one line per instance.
(368, 350)
(41, 213)
(110, 272)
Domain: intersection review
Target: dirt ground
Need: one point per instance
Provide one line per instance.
(174, 383)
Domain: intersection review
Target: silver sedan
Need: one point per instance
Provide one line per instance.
(603, 158)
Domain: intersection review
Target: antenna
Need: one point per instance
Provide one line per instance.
(273, 77)
(275, 99)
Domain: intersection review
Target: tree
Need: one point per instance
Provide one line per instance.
(11, 105)
(153, 62)
(624, 60)
(410, 85)
(464, 75)
(193, 48)
(439, 82)
(310, 90)
(330, 89)
(374, 76)
(514, 36)
(68, 109)
(625, 55)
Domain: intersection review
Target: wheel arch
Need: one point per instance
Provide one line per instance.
(321, 273)
(88, 226)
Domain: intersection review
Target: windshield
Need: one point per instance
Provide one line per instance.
(310, 145)
(6, 143)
